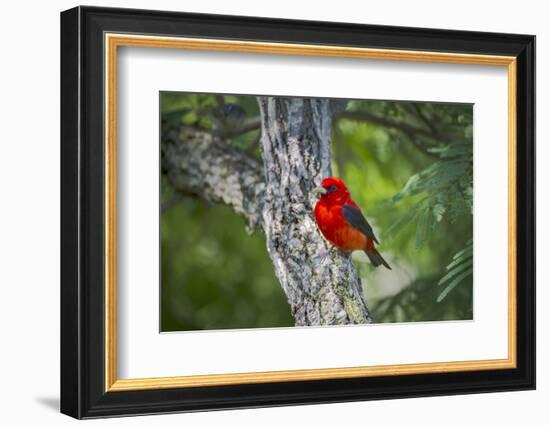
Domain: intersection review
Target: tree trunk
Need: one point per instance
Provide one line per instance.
(321, 283)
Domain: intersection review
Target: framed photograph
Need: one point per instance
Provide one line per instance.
(261, 212)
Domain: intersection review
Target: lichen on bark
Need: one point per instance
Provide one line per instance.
(198, 163)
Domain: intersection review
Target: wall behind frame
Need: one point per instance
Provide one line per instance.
(29, 219)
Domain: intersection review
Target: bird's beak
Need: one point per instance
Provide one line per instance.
(320, 190)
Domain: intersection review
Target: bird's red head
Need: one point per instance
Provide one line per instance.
(333, 189)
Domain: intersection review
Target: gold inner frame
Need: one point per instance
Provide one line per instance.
(113, 41)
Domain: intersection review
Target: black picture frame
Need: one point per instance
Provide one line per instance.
(83, 392)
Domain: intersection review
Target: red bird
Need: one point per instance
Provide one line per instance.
(341, 222)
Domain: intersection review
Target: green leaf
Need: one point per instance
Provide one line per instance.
(413, 180)
(438, 212)
(458, 269)
(463, 266)
(404, 219)
(205, 123)
(189, 118)
(468, 246)
(421, 228)
(466, 252)
(453, 285)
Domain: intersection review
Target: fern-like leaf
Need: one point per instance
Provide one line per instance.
(460, 268)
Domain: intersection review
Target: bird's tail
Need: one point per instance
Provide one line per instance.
(376, 259)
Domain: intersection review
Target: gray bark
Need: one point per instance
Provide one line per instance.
(321, 283)
(200, 164)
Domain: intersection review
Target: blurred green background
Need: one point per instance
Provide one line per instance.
(409, 165)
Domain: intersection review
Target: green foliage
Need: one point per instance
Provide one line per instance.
(191, 109)
(415, 303)
(412, 166)
(445, 194)
(214, 275)
(409, 166)
(458, 270)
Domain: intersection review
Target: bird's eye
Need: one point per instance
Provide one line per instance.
(332, 188)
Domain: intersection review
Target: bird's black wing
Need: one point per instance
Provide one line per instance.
(355, 218)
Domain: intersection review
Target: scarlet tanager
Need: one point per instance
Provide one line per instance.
(341, 222)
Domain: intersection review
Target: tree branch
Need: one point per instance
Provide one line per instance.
(249, 124)
(410, 131)
(198, 163)
(384, 121)
(420, 114)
